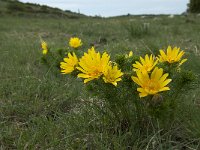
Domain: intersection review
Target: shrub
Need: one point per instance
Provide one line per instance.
(194, 6)
(129, 90)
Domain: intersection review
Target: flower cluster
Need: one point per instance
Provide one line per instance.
(146, 71)
(151, 79)
(92, 66)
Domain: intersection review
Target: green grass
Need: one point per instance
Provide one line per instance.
(42, 109)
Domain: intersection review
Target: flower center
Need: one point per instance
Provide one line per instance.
(110, 78)
(171, 60)
(152, 86)
(147, 66)
(96, 72)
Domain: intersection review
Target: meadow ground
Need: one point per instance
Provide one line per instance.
(44, 110)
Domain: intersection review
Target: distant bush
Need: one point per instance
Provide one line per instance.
(194, 6)
(15, 6)
(69, 11)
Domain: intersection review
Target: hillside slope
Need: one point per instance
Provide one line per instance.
(14, 7)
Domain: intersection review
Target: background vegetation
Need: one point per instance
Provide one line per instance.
(194, 6)
(42, 109)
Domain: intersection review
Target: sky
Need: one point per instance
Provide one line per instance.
(106, 8)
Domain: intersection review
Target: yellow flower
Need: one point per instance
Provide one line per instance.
(151, 85)
(112, 75)
(129, 55)
(44, 47)
(146, 65)
(69, 63)
(75, 42)
(92, 65)
(44, 51)
(172, 56)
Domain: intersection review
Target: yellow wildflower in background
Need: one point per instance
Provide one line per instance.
(146, 65)
(172, 56)
(129, 55)
(69, 63)
(75, 42)
(44, 47)
(151, 85)
(92, 65)
(112, 75)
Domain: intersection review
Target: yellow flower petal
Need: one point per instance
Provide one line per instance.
(164, 89)
(182, 61)
(69, 63)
